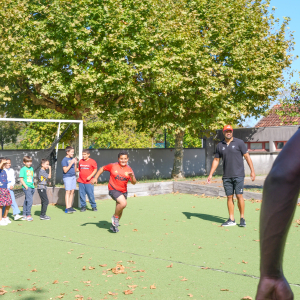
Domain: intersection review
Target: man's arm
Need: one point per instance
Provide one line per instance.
(95, 179)
(281, 190)
(132, 178)
(23, 183)
(92, 175)
(250, 164)
(214, 166)
(73, 161)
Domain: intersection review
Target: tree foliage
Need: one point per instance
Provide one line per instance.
(183, 66)
(8, 133)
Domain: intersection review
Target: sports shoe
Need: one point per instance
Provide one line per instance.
(68, 211)
(3, 223)
(24, 218)
(7, 220)
(115, 221)
(29, 218)
(229, 222)
(242, 223)
(17, 217)
(83, 208)
(72, 209)
(114, 229)
(94, 209)
(45, 218)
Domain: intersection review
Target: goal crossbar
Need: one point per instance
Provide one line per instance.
(80, 122)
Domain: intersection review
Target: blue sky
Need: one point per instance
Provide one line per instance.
(287, 8)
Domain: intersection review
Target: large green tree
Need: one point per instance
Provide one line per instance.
(183, 65)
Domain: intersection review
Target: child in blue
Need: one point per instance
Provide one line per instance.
(69, 165)
(5, 198)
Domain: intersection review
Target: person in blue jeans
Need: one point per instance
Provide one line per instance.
(87, 168)
(10, 185)
(69, 165)
(26, 178)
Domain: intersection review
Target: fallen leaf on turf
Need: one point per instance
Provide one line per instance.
(69, 252)
(87, 281)
(193, 206)
(80, 256)
(128, 292)
(244, 262)
(79, 297)
(170, 266)
(184, 279)
(138, 271)
(60, 296)
(144, 287)
(132, 286)
(110, 275)
(77, 290)
(224, 290)
(128, 278)
(153, 287)
(55, 282)
(134, 230)
(66, 282)
(83, 268)
(256, 240)
(131, 261)
(257, 208)
(190, 295)
(105, 265)
(200, 247)
(33, 289)
(119, 269)
(112, 294)
(34, 270)
(247, 298)
(91, 268)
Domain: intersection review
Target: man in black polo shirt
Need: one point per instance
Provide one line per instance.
(232, 151)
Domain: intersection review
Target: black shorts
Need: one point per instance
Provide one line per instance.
(233, 185)
(116, 194)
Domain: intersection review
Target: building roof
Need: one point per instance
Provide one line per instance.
(273, 119)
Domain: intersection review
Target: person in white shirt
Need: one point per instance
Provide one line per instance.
(10, 185)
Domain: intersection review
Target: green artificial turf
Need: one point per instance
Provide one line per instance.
(176, 230)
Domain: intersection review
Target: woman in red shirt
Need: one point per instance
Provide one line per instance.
(120, 174)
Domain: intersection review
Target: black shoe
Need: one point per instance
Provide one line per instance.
(72, 209)
(82, 209)
(242, 222)
(94, 209)
(45, 218)
(229, 222)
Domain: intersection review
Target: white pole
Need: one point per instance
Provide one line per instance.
(58, 131)
(80, 148)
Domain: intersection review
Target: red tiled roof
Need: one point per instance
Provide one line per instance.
(273, 119)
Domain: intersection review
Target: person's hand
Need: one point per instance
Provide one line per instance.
(274, 289)
(252, 175)
(89, 178)
(26, 187)
(49, 167)
(11, 187)
(209, 179)
(93, 180)
(130, 174)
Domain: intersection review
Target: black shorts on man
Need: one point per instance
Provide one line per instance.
(233, 185)
(116, 194)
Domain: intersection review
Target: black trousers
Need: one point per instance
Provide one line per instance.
(44, 200)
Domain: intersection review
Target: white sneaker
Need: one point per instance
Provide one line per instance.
(17, 217)
(7, 220)
(3, 223)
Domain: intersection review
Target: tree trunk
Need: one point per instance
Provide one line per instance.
(177, 171)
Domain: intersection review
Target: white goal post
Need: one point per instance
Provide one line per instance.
(80, 122)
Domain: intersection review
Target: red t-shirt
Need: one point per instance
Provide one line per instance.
(86, 168)
(118, 177)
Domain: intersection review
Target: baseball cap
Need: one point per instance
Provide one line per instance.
(227, 127)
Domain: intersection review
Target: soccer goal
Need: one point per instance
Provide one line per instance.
(50, 152)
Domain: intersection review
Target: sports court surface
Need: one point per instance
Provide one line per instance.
(171, 242)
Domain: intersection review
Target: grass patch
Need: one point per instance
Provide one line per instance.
(173, 242)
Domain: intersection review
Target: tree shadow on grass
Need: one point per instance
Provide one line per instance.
(205, 217)
(101, 224)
